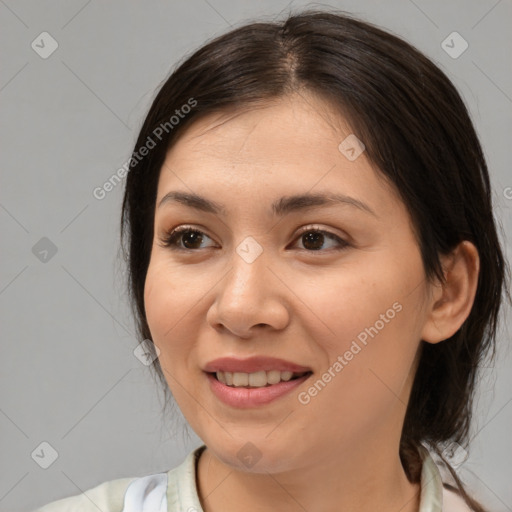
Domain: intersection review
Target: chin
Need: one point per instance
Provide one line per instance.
(255, 454)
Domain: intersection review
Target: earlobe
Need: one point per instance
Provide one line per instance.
(451, 302)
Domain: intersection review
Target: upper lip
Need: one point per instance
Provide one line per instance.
(253, 364)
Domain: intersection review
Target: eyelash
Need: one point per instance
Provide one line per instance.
(170, 239)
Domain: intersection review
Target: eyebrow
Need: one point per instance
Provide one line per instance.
(281, 207)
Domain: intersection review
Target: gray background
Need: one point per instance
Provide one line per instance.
(68, 375)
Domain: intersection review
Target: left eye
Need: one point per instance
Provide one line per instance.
(313, 239)
(186, 238)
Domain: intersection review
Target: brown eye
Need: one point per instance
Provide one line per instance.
(190, 238)
(314, 239)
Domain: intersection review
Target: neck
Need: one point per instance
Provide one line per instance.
(366, 478)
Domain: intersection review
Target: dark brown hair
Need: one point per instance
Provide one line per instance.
(418, 133)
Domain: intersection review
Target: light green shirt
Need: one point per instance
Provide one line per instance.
(176, 491)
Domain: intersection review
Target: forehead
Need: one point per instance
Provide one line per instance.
(287, 146)
(277, 129)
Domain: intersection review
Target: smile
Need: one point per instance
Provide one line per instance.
(256, 379)
(242, 395)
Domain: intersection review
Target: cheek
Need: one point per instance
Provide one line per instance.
(345, 303)
(370, 376)
(166, 303)
(157, 300)
(370, 318)
(166, 307)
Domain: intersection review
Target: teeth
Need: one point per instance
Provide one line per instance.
(240, 379)
(256, 380)
(274, 376)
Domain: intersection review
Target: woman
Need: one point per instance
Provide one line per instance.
(313, 258)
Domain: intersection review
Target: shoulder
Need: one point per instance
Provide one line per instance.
(174, 490)
(107, 497)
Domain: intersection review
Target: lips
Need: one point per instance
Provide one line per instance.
(252, 365)
(253, 397)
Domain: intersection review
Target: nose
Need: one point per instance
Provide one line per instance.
(249, 298)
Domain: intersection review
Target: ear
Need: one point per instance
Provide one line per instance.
(451, 302)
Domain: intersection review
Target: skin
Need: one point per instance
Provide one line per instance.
(341, 450)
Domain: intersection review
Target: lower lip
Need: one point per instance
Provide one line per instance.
(244, 398)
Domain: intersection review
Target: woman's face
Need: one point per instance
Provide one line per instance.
(336, 287)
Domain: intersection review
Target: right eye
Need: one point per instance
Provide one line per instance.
(184, 238)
